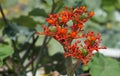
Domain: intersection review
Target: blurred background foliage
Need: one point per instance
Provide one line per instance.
(25, 17)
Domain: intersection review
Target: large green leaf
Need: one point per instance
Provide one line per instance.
(38, 12)
(25, 21)
(54, 47)
(5, 51)
(104, 66)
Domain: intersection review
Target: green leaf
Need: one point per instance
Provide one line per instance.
(38, 12)
(109, 2)
(85, 68)
(13, 31)
(25, 21)
(54, 47)
(108, 6)
(118, 5)
(104, 66)
(5, 51)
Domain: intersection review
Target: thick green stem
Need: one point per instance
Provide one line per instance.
(76, 65)
(69, 66)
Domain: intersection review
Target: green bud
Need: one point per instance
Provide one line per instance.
(69, 31)
(83, 16)
(52, 29)
(84, 52)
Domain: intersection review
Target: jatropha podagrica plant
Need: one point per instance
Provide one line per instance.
(60, 29)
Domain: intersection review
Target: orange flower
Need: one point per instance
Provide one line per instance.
(63, 31)
(52, 19)
(73, 34)
(91, 14)
(92, 38)
(80, 26)
(65, 34)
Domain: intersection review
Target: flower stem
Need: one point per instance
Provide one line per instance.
(69, 66)
(76, 65)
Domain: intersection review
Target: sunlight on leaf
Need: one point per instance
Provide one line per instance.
(5, 51)
(104, 66)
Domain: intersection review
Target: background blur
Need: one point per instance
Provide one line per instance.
(26, 16)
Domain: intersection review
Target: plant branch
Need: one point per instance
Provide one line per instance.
(30, 62)
(29, 48)
(3, 16)
(69, 66)
(48, 40)
(39, 55)
(76, 65)
(43, 44)
(53, 6)
(16, 52)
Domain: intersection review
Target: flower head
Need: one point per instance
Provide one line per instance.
(65, 33)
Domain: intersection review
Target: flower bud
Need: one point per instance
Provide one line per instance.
(84, 52)
(52, 29)
(83, 16)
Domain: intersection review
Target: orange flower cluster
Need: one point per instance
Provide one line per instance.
(67, 26)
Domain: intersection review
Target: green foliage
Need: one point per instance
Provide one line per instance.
(26, 21)
(38, 12)
(13, 31)
(118, 5)
(104, 66)
(54, 47)
(52, 62)
(109, 5)
(5, 51)
(56, 62)
(85, 68)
